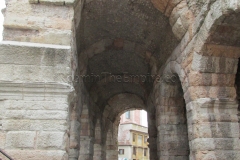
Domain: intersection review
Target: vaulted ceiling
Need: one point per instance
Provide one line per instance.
(137, 35)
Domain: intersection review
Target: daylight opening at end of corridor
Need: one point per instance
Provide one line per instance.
(133, 136)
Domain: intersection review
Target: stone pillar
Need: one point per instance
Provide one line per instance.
(34, 100)
(152, 130)
(86, 148)
(35, 86)
(86, 135)
(112, 143)
(98, 151)
(98, 144)
(212, 109)
(213, 129)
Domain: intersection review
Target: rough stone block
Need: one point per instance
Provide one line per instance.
(53, 140)
(34, 62)
(34, 125)
(34, 105)
(172, 129)
(20, 139)
(211, 64)
(36, 114)
(3, 139)
(225, 129)
(202, 144)
(227, 143)
(6, 72)
(2, 109)
(24, 53)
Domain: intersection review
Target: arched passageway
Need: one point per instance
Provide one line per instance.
(125, 65)
(119, 53)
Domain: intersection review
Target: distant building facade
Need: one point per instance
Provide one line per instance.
(132, 137)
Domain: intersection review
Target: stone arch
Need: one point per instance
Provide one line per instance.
(176, 63)
(207, 73)
(101, 91)
(171, 121)
(219, 30)
(117, 105)
(179, 13)
(120, 103)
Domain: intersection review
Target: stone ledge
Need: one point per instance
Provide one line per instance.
(36, 114)
(29, 44)
(38, 87)
(33, 125)
(23, 53)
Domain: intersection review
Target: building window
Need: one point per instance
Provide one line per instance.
(145, 152)
(134, 135)
(134, 150)
(145, 139)
(140, 139)
(127, 114)
(121, 151)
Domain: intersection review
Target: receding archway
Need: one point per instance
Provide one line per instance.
(119, 47)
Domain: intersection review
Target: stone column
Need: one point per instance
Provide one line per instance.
(86, 148)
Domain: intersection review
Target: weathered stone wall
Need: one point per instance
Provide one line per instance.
(38, 23)
(171, 121)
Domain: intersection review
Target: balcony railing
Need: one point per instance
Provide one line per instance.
(5, 154)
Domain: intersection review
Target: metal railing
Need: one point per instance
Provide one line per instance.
(5, 154)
